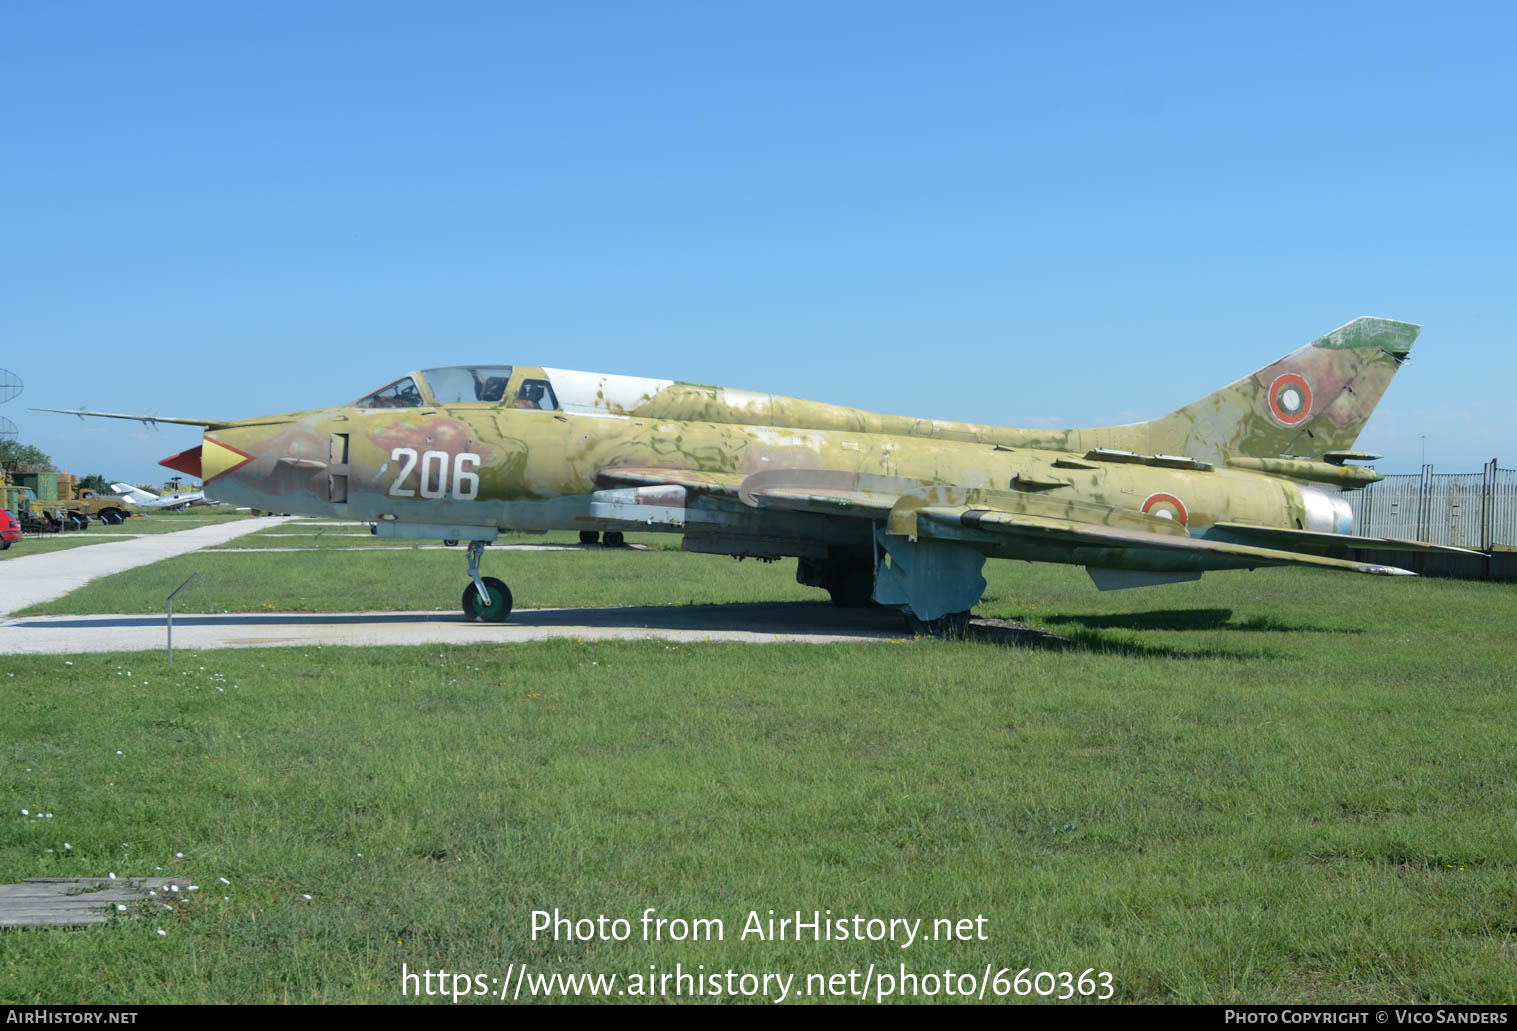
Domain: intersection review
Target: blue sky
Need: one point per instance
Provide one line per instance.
(1065, 215)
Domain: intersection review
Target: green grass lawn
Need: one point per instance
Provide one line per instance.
(1285, 786)
(41, 545)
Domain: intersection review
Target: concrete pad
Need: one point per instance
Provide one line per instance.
(34, 579)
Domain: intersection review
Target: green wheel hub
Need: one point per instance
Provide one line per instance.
(499, 609)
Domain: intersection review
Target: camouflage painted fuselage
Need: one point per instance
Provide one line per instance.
(744, 473)
(540, 471)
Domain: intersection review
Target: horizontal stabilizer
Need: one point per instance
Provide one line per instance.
(1329, 543)
(1119, 538)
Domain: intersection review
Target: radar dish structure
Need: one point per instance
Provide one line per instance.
(10, 386)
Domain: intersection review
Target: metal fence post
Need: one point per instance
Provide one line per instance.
(1487, 504)
(168, 607)
(1422, 486)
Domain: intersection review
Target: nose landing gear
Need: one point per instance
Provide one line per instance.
(486, 599)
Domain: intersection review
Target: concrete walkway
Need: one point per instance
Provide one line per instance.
(768, 623)
(34, 579)
(803, 622)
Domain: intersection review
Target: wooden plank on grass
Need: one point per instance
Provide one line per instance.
(72, 901)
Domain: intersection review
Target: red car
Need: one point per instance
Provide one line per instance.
(10, 530)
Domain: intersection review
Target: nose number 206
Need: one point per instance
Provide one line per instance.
(434, 481)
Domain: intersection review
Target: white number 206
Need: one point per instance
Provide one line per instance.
(434, 474)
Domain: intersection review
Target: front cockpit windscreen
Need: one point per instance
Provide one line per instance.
(400, 394)
(468, 384)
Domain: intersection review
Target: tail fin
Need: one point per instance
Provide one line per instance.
(1313, 401)
(134, 494)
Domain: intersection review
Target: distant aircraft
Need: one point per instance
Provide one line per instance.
(878, 509)
(146, 499)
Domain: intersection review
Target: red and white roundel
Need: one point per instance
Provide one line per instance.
(1166, 506)
(1290, 398)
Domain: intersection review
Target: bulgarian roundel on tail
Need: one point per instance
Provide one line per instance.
(1313, 401)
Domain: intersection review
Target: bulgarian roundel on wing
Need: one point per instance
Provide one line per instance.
(1290, 398)
(1166, 506)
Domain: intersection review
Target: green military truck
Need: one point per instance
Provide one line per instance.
(44, 501)
(40, 515)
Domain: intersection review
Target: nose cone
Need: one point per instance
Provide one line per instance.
(187, 462)
(218, 459)
(209, 460)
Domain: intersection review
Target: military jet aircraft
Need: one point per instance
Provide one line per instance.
(878, 509)
(146, 499)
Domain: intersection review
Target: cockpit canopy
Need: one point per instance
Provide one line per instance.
(465, 384)
(400, 394)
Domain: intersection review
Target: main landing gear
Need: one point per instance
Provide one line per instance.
(486, 599)
(612, 538)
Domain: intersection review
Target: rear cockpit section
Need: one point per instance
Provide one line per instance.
(512, 386)
(602, 395)
(468, 384)
(536, 395)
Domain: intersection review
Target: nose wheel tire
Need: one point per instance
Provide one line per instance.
(614, 539)
(499, 609)
(589, 536)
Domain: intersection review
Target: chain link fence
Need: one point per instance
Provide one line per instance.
(1465, 510)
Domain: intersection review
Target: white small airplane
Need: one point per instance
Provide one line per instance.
(146, 499)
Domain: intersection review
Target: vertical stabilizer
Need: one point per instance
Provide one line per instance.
(1314, 400)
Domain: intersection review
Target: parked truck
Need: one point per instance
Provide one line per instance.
(40, 515)
(44, 501)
